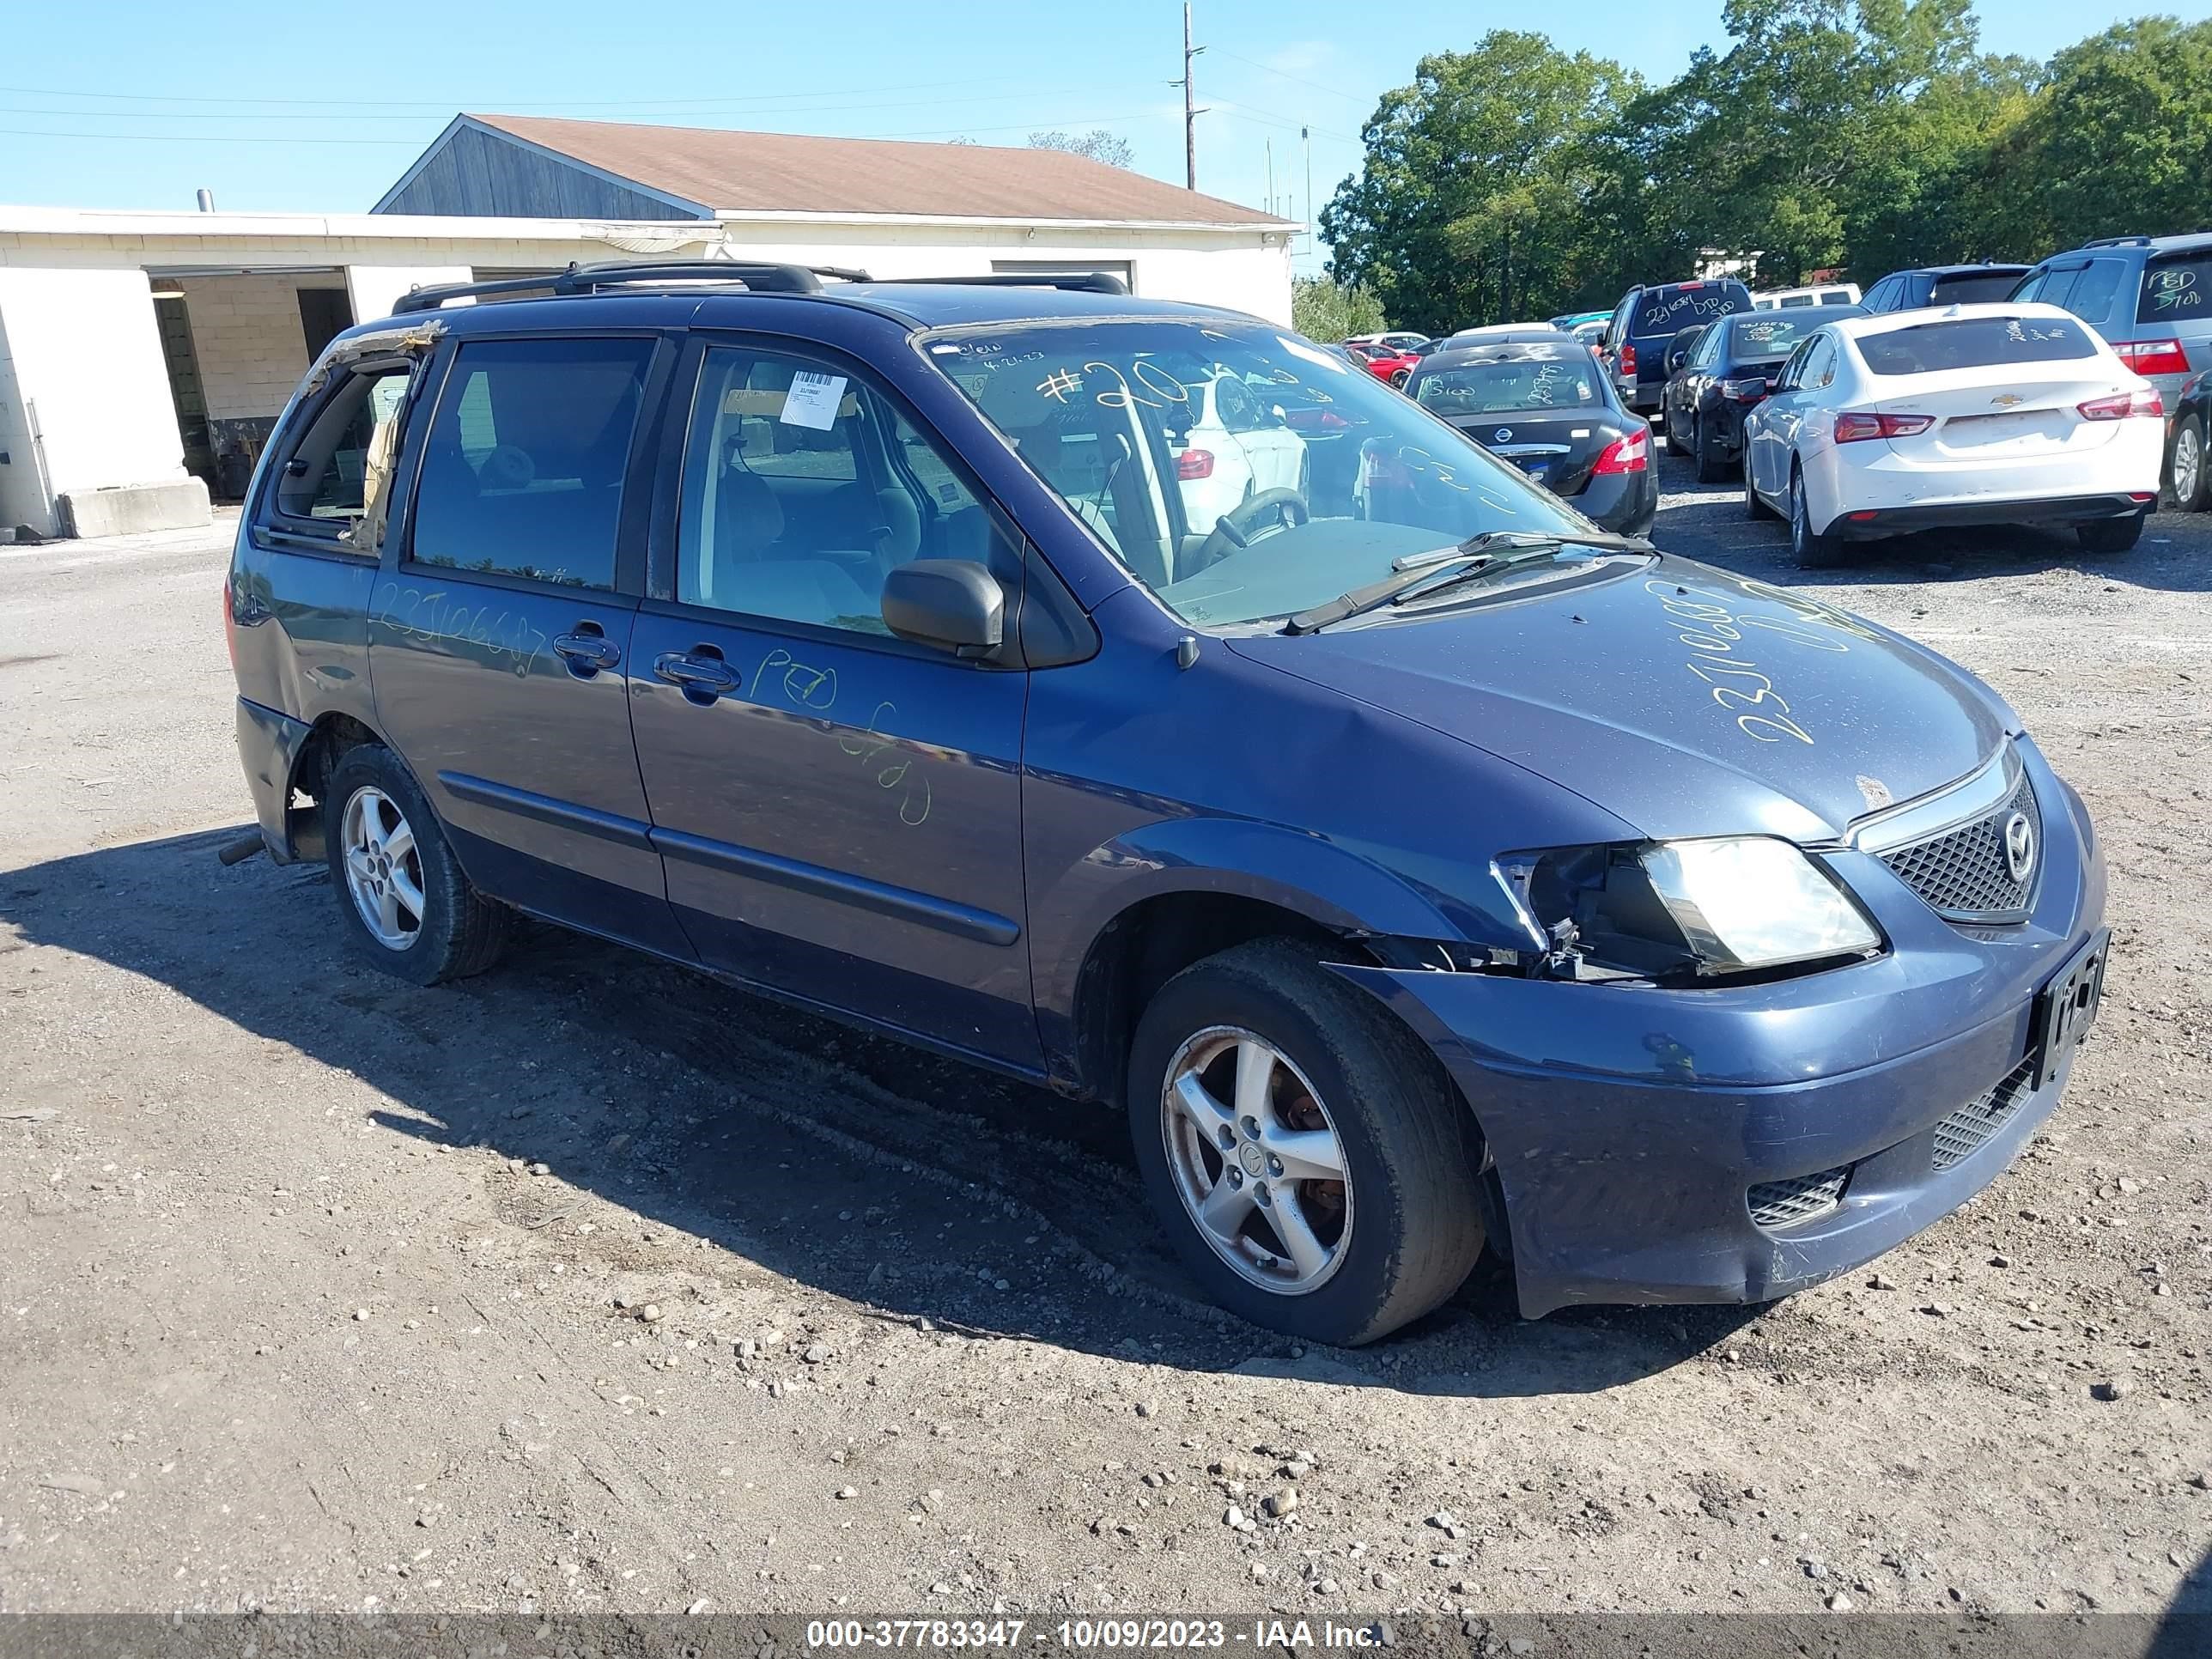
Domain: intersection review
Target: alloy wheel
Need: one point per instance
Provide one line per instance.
(383, 868)
(2188, 463)
(1258, 1165)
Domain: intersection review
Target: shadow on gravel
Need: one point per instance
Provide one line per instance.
(1706, 522)
(917, 1187)
(2187, 1626)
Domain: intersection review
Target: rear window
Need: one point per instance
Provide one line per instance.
(1978, 289)
(1497, 387)
(1974, 343)
(1679, 305)
(2177, 290)
(1768, 336)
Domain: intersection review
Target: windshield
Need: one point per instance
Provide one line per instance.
(1766, 335)
(1238, 471)
(1536, 377)
(1974, 343)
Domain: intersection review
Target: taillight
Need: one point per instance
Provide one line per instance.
(2121, 405)
(2153, 356)
(1194, 464)
(229, 628)
(1629, 453)
(1743, 391)
(1628, 359)
(1858, 426)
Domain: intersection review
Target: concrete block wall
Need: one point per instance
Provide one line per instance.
(247, 334)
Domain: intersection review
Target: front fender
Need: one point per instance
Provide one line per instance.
(1322, 880)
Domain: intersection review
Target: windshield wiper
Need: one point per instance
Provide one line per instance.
(1477, 558)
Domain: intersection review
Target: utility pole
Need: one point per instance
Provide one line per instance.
(1191, 111)
(1313, 237)
(1271, 177)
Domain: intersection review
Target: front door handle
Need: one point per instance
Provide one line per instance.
(703, 678)
(586, 653)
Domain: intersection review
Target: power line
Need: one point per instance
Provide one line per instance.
(286, 115)
(1318, 86)
(447, 104)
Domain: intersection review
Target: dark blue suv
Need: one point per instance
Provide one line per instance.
(1418, 863)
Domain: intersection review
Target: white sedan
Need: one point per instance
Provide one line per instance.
(1237, 446)
(1971, 414)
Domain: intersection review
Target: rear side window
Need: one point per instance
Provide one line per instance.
(2177, 290)
(1975, 289)
(522, 474)
(1975, 343)
(329, 474)
(2091, 299)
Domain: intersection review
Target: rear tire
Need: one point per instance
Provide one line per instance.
(1814, 550)
(1385, 1244)
(1755, 506)
(407, 907)
(1710, 468)
(2185, 470)
(2109, 535)
(1662, 436)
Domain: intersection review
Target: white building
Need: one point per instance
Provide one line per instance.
(145, 355)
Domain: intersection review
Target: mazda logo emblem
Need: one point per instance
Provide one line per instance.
(2020, 848)
(1504, 434)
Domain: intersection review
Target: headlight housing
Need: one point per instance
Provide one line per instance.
(1690, 909)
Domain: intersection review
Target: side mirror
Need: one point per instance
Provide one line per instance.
(954, 604)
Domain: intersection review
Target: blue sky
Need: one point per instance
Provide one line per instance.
(127, 103)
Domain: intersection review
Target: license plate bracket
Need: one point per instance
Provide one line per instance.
(2066, 1006)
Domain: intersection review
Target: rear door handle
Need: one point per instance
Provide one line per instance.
(588, 651)
(703, 678)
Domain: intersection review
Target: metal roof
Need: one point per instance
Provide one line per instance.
(722, 172)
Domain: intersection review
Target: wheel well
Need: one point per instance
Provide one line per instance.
(1151, 942)
(327, 744)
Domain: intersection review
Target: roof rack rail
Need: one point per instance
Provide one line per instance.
(1095, 281)
(2118, 241)
(762, 278)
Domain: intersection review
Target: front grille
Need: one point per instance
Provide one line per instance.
(1962, 874)
(1785, 1203)
(1958, 1136)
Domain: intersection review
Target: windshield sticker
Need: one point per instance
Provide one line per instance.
(812, 400)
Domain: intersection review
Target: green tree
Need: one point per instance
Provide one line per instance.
(1325, 310)
(1466, 209)
(2118, 142)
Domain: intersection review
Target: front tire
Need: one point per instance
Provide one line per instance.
(407, 907)
(2109, 535)
(1814, 550)
(1307, 1156)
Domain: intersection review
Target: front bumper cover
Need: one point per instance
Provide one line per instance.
(1628, 1124)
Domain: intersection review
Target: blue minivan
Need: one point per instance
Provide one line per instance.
(1417, 864)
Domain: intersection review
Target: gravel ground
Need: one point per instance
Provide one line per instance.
(591, 1284)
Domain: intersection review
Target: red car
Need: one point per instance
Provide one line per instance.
(1386, 363)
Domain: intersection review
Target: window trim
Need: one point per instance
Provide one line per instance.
(630, 522)
(324, 537)
(659, 595)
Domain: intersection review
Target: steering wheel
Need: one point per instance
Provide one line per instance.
(1236, 528)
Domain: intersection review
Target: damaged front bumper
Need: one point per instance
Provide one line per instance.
(1737, 1143)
